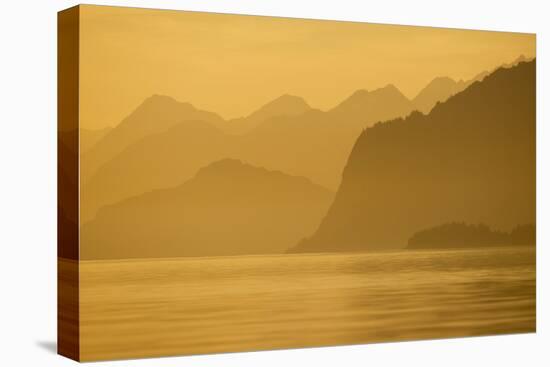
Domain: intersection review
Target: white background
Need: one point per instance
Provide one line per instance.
(28, 184)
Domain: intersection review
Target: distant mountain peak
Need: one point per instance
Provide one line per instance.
(438, 90)
(392, 91)
(358, 94)
(374, 105)
(443, 87)
(406, 174)
(156, 96)
(442, 80)
(223, 164)
(283, 105)
(286, 98)
(227, 208)
(363, 95)
(160, 100)
(229, 168)
(392, 88)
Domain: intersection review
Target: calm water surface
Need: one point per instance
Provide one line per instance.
(135, 308)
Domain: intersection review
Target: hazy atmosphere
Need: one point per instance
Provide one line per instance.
(231, 64)
(235, 183)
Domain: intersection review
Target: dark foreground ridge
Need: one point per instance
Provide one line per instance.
(472, 157)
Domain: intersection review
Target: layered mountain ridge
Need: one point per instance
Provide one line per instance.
(129, 174)
(292, 137)
(471, 158)
(227, 208)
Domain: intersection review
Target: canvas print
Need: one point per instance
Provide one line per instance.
(240, 183)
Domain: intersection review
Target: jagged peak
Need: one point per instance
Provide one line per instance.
(282, 105)
(364, 93)
(438, 85)
(391, 88)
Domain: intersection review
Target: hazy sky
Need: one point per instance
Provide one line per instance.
(233, 64)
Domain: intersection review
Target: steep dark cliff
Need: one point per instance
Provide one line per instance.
(472, 158)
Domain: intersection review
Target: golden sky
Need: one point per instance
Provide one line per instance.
(233, 64)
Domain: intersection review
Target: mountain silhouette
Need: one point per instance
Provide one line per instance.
(156, 114)
(285, 135)
(521, 58)
(120, 165)
(310, 143)
(285, 105)
(441, 88)
(438, 90)
(316, 144)
(160, 160)
(457, 235)
(227, 208)
(372, 106)
(471, 157)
